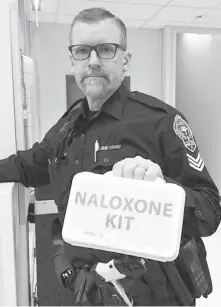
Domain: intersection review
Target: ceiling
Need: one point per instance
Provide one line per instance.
(136, 13)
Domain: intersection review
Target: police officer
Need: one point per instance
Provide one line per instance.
(136, 135)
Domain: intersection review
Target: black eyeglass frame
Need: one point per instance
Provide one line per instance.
(117, 46)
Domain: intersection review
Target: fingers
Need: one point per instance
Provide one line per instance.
(139, 172)
(137, 168)
(151, 173)
(128, 168)
(119, 168)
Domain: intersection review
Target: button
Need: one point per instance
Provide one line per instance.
(106, 160)
(198, 212)
(76, 162)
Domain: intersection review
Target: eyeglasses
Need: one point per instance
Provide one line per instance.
(104, 51)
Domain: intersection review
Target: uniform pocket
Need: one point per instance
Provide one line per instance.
(107, 158)
(56, 166)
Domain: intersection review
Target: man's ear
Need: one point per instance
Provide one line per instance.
(127, 61)
(72, 64)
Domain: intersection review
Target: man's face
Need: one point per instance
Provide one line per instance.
(99, 78)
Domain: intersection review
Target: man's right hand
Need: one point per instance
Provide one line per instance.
(83, 287)
(89, 289)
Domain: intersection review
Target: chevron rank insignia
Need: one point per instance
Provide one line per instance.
(183, 131)
(196, 163)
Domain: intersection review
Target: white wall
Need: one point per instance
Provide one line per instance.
(49, 48)
(198, 95)
(8, 144)
(145, 71)
(24, 27)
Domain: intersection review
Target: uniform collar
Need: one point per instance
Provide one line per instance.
(114, 106)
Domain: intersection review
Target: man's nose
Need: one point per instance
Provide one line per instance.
(93, 60)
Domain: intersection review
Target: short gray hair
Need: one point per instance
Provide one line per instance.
(93, 15)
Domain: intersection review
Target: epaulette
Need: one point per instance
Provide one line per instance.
(151, 101)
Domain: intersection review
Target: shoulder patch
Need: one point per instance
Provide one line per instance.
(183, 131)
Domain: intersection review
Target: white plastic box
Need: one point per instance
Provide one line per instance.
(128, 216)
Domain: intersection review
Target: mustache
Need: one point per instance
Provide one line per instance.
(94, 74)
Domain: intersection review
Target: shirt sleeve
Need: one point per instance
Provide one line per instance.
(30, 167)
(184, 165)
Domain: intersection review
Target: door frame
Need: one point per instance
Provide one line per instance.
(169, 55)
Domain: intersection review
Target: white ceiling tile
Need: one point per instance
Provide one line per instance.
(134, 10)
(49, 6)
(215, 14)
(213, 17)
(178, 14)
(161, 25)
(204, 25)
(154, 25)
(134, 23)
(137, 13)
(153, 2)
(195, 3)
(42, 17)
(73, 7)
(122, 10)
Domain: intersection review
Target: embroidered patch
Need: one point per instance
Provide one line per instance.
(196, 163)
(183, 131)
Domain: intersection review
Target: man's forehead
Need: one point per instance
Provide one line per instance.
(96, 32)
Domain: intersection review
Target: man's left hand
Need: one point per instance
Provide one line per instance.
(137, 168)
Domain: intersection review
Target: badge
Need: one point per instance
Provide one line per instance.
(183, 131)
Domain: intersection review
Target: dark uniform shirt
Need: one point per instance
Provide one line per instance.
(140, 125)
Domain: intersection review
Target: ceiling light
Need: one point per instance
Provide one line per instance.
(36, 6)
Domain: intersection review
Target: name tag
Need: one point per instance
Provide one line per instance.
(97, 148)
(111, 147)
